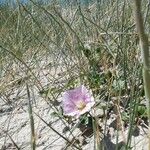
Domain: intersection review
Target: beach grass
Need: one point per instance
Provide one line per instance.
(48, 49)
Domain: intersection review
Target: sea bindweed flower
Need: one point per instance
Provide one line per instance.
(77, 101)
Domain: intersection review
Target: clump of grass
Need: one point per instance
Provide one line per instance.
(54, 48)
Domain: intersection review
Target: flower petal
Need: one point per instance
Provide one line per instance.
(72, 99)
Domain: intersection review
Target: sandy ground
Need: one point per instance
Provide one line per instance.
(15, 124)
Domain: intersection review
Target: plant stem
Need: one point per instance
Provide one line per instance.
(145, 54)
(33, 141)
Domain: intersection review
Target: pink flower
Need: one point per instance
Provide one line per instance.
(77, 101)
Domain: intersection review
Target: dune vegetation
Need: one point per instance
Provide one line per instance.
(52, 53)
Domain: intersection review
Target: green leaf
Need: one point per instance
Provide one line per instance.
(142, 110)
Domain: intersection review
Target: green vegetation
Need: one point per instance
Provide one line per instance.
(52, 48)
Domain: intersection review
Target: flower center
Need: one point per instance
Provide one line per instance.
(80, 105)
